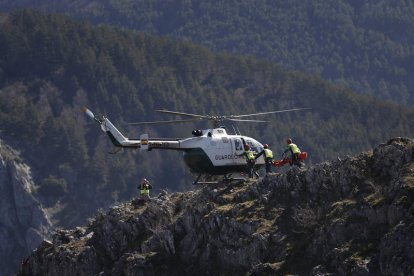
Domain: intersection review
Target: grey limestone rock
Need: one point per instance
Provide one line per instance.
(351, 216)
(23, 223)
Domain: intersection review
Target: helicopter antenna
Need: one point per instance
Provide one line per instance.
(234, 130)
(238, 130)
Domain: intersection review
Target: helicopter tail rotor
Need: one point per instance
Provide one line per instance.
(114, 134)
(90, 114)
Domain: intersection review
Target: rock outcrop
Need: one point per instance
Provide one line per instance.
(347, 217)
(23, 223)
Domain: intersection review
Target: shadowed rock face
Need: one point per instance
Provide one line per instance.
(23, 223)
(347, 217)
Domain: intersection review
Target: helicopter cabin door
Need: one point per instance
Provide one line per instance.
(219, 150)
(238, 149)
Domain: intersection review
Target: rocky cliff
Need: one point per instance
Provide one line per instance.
(351, 216)
(23, 223)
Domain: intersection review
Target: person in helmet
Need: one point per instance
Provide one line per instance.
(144, 188)
(250, 161)
(268, 156)
(294, 152)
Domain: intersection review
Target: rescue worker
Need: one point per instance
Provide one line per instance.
(144, 188)
(268, 156)
(250, 161)
(294, 152)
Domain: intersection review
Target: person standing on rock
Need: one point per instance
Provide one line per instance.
(145, 188)
(249, 154)
(268, 156)
(294, 152)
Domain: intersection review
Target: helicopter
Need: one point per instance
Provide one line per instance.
(208, 152)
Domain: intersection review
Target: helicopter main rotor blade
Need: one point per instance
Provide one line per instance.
(243, 120)
(270, 112)
(165, 122)
(217, 119)
(181, 113)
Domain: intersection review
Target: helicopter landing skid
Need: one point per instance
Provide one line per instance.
(226, 178)
(196, 180)
(207, 182)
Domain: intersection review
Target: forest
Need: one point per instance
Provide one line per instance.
(363, 44)
(52, 66)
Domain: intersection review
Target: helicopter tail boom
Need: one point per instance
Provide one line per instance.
(113, 133)
(143, 143)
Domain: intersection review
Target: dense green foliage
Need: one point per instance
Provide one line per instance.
(367, 45)
(50, 67)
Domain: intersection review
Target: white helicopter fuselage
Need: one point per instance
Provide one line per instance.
(216, 152)
(210, 151)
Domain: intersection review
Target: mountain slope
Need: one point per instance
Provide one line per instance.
(52, 66)
(23, 222)
(364, 44)
(350, 217)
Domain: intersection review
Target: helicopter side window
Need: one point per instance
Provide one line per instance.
(238, 145)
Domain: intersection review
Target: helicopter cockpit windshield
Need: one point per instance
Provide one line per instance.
(254, 146)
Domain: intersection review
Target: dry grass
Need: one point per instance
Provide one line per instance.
(375, 200)
(77, 244)
(340, 207)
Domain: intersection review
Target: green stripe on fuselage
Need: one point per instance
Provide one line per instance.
(113, 140)
(198, 161)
